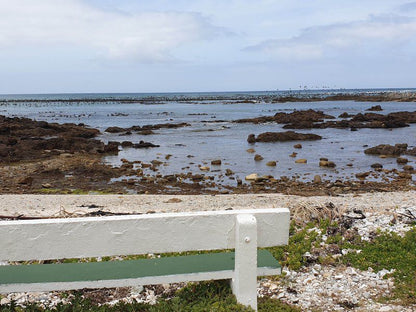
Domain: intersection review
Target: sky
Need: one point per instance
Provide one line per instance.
(83, 46)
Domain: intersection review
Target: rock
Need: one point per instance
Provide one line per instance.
(376, 108)
(285, 136)
(408, 168)
(326, 163)
(386, 149)
(345, 115)
(168, 156)
(46, 185)
(143, 144)
(317, 179)
(258, 157)
(271, 163)
(293, 155)
(204, 168)
(26, 180)
(228, 172)
(362, 175)
(145, 132)
(126, 144)
(377, 166)
(251, 150)
(252, 177)
(297, 145)
(251, 139)
(216, 162)
(156, 162)
(114, 130)
(402, 160)
(301, 161)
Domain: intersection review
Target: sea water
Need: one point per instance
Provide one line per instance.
(213, 135)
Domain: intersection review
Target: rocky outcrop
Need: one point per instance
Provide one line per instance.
(26, 139)
(387, 149)
(284, 136)
(147, 129)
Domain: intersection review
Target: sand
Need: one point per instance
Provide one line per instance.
(76, 205)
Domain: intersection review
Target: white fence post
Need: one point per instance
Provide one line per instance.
(244, 282)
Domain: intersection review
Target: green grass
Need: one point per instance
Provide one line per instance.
(389, 251)
(196, 297)
(301, 240)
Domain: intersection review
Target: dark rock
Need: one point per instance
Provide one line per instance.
(143, 144)
(251, 138)
(376, 108)
(115, 130)
(286, 136)
(402, 160)
(126, 144)
(258, 157)
(216, 162)
(377, 166)
(297, 145)
(386, 149)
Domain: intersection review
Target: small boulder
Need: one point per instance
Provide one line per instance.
(297, 145)
(251, 150)
(258, 157)
(252, 177)
(251, 138)
(377, 166)
(301, 161)
(317, 179)
(402, 160)
(271, 163)
(216, 162)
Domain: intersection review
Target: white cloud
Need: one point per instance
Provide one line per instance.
(320, 41)
(144, 36)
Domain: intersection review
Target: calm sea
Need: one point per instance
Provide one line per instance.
(212, 135)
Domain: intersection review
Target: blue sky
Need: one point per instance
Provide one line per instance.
(54, 46)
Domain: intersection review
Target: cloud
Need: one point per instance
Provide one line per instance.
(320, 41)
(410, 6)
(144, 37)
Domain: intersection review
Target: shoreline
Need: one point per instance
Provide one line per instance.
(31, 205)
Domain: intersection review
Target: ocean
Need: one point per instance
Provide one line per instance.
(212, 134)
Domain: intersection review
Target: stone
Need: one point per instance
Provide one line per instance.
(317, 179)
(402, 160)
(362, 175)
(258, 157)
(408, 168)
(326, 163)
(297, 145)
(204, 168)
(386, 149)
(216, 162)
(251, 150)
(377, 166)
(293, 155)
(252, 177)
(251, 138)
(271, 163)
(301, 161)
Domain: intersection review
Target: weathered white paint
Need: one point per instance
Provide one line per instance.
(149, 280)
(244, 281)
(140, 234)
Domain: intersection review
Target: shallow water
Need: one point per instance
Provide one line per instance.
(207, 139)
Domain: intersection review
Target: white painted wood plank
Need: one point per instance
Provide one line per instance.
(142, 234)
(192, 277)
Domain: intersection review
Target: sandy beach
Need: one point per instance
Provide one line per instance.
(78, 205)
